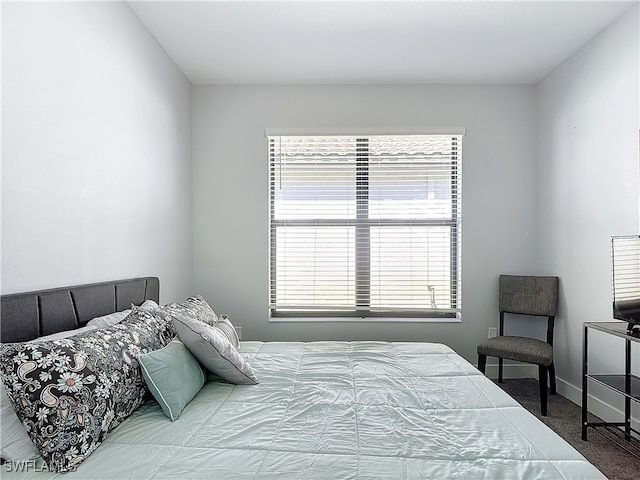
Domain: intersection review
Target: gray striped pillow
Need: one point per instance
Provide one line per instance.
(212, 348)
(226, 327)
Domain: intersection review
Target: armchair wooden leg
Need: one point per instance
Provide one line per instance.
(542, 375)
(500, 365)
(552, 379)
(482, 363)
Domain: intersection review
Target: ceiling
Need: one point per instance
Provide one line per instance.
(373, 42)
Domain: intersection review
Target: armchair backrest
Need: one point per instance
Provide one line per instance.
(528, 295)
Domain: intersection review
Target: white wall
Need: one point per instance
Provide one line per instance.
(96, 146)
(96, 179)
(588, 188)
(231, 194)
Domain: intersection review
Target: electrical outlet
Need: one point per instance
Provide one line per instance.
(493, 332)
(239, 332)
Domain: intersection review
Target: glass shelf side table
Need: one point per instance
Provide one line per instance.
(626, 384)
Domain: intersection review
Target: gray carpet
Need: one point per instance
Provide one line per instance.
(565, 418)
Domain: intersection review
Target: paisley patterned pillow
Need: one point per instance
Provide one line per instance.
(70, 393)
(194, 307)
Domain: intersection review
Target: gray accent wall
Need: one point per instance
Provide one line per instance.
(231, 191)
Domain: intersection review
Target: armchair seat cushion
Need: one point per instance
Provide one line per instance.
(520, 349)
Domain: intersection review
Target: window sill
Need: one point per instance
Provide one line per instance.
(456, 319)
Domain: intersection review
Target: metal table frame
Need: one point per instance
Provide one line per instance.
(627, 384)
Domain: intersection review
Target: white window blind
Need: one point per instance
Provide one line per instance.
(365, 225)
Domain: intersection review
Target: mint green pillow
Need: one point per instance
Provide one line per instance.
(173, 375)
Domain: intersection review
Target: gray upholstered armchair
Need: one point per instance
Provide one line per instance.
(535, 296)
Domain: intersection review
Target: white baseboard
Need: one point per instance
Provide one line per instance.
(596, 406)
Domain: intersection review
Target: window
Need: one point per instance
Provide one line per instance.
(365, 225)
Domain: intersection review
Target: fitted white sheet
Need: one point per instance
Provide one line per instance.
(340, 410)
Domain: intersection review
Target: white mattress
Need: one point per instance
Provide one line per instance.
(339, 410)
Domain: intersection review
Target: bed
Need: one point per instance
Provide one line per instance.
(320, 410)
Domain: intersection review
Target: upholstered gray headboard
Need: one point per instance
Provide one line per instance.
(28, 315)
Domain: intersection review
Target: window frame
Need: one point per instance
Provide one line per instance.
(363, 225)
